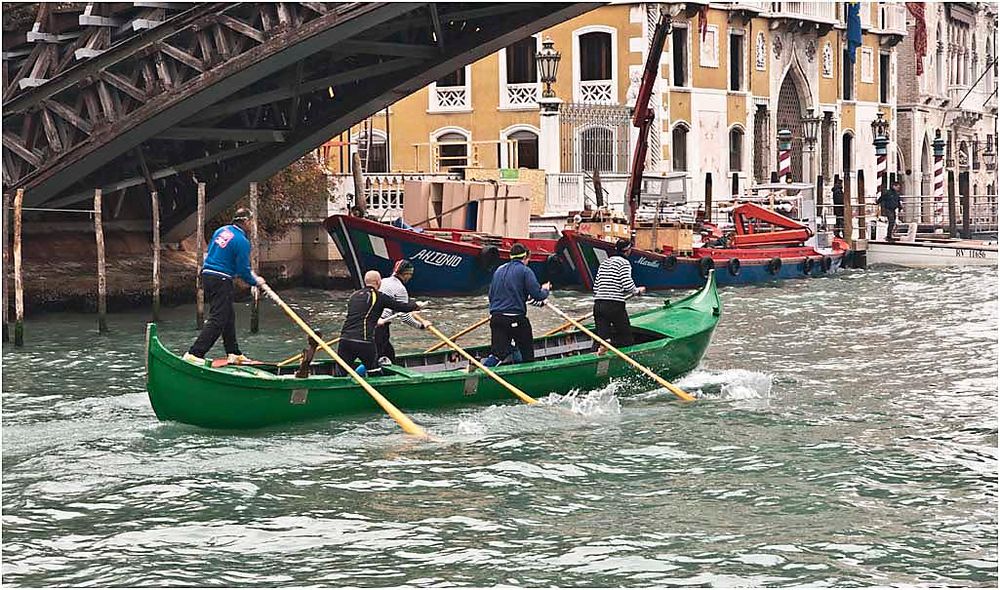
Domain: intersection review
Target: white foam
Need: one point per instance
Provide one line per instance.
(732, 384)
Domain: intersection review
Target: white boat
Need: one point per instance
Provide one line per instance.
(923, 252)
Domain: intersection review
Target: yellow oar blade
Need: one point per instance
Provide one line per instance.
(520, 394)
(666, 384)
(408, 426)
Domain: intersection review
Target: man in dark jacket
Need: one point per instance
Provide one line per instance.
(890, 203)
(513, 283)
(228, 257)
(838, 205)
(364, 308)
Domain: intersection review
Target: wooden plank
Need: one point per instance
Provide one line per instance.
(51, 133)
(18, 275)
(317, 7)
(162, 73)
(107, 104)
(221, 41)
(124, 85)
(5, 284)
(254, 261)
(242, 28)
(182, 56)
(70, 117)
(14, 144)
(102, 278)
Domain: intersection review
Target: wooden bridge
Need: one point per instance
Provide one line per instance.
(145, 96)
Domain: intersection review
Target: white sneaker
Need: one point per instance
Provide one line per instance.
(384, 361)
(237, 359)
(194, 360)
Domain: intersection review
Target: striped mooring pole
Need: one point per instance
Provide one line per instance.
(784, 155)
(939, 195)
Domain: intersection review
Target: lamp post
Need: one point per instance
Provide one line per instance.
(810, 131)
(938, 145)
(784, 155)
(547, 60)
(880, 131)
(549, 155)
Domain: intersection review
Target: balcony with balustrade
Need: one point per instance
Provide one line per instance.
(520, 97)
(819, 12)
(596, 92)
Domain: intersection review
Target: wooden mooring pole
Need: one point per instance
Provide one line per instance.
(6, 267)
(155, 206)
(963, 189)
(861, 246)
(102, 278)
(200, 237)
(820, 211)
(708, 197)
(360, 204)
(847, 211)
(254, 261)
(952, 206)
(18, 278)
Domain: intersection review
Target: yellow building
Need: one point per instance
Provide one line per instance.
(731, 75)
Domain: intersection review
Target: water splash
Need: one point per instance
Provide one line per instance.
(729, 384)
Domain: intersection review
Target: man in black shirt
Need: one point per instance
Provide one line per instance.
(364, 308)
(890, 203)
(838, 205)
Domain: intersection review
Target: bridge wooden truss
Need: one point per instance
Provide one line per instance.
(137, 97)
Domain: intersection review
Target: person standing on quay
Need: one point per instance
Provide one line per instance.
(838, 205)
(890, 203)
(228, 257)
(611, 286)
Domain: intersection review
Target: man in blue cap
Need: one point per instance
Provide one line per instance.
(512, 285)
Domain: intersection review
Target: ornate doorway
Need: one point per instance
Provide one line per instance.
(789, 116)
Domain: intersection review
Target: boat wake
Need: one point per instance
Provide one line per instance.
(730, 384)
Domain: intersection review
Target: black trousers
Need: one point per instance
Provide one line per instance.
(611, 322)
(221, 319)
(838, 211)
(352, 350)
(891, 216)
(383, 344)
(504, 328)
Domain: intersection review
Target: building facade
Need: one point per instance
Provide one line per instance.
(956, 95)
(730, 77)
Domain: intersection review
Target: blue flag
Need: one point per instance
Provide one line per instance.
(853, 29)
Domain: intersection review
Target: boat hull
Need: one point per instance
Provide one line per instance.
(652, 269)
(442, 266)
(234, 397)
(932, 254)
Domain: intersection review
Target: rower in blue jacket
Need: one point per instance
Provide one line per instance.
(512, 285)
(228, 257)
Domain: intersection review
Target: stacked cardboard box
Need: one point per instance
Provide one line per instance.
(495, 208)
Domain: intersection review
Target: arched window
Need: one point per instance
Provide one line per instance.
(735, 149)
(679, 147)
(526, 148)
(453, 150)
(847, 155)
(597, 149)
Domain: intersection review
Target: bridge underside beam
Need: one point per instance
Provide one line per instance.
(211, 99)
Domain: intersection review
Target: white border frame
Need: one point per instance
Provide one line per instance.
(687, 152)
(869, 53)
(434, 135)
(743, 149)
(709, 62)
(689, 66)
(730, 32)
(577, 93)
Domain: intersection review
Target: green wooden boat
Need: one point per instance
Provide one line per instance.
(670, 340)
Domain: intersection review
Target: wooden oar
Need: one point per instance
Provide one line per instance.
(669, 386)
(408, 426)
(562, 327)
(524, 396)
(297, 357)
(458, 335)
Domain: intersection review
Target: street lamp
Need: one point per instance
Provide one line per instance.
(880, 129)
(810, 128)
(548, 65)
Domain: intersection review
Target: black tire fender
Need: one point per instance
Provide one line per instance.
(705, 264)
(734, 266)
(807, 265)
(774, 265)
(827, 263)
(488, 258)
(669, 263)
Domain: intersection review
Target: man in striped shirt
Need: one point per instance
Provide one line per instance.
(394, 286)
(611, 286)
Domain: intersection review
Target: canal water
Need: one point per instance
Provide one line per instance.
(846, 435)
